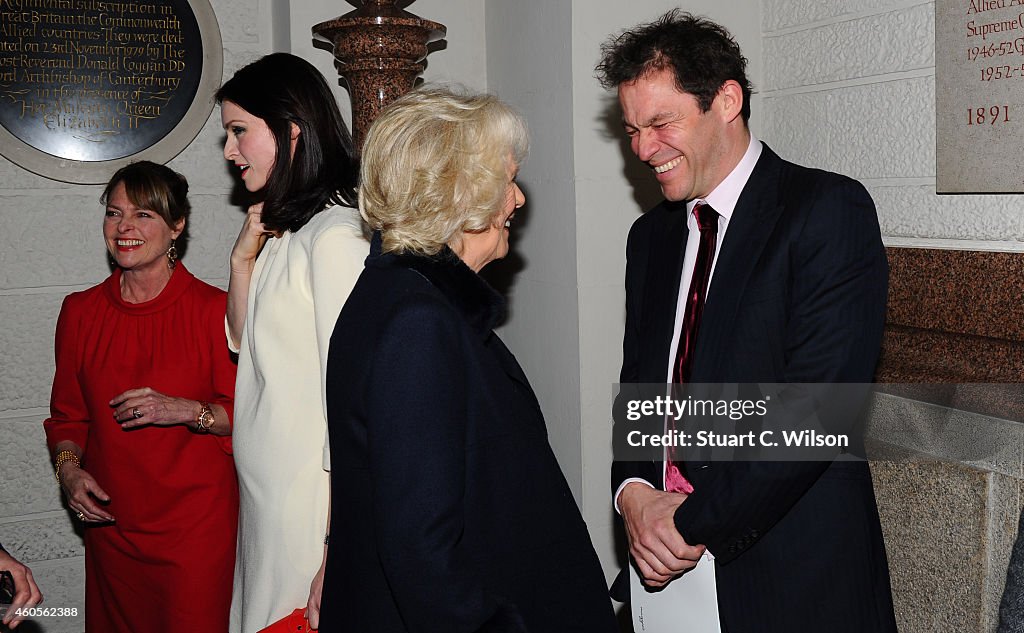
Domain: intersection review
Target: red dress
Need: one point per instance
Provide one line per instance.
(166, 564)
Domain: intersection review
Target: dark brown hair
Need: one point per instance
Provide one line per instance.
(283, 89)
(153, 187)
(701, 54)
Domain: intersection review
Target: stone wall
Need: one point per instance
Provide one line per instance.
(850, 87)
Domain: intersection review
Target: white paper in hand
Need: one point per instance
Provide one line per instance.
(689, 604)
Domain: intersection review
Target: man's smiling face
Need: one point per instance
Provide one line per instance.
(683, 146)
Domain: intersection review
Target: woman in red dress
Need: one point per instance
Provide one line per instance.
(140, 422)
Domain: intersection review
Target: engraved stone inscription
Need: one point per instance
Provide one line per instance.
(979, 87)
(95, 80)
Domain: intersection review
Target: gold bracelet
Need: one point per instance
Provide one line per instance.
(64, 457)
(205, 419)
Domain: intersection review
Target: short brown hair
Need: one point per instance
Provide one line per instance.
(156, 188)
(701, 54)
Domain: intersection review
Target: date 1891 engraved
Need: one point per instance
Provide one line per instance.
(979, 68)
(990, 114)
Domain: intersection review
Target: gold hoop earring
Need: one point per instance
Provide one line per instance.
(172, 255)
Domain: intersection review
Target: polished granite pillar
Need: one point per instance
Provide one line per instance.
(381, 49)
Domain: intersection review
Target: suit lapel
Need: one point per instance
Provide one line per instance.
(662, 294)
(750, 228)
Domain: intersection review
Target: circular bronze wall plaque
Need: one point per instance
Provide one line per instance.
(87, 86)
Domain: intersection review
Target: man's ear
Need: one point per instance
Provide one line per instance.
(729, 100)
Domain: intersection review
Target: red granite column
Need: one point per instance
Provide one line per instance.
(381, 50)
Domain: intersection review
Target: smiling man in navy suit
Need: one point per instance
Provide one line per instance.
(753, 270)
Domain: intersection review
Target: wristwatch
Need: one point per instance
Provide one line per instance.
(205, 419)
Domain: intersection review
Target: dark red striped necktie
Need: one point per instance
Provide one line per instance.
(707, 221)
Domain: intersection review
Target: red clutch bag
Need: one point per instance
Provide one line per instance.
(292, 623)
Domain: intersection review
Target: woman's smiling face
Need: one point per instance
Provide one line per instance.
(137, 239)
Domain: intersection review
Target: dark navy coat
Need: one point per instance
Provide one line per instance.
(449, 511)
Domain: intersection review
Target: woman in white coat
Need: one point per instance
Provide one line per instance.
(298, 255)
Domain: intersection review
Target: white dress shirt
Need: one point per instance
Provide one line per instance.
(723, 200)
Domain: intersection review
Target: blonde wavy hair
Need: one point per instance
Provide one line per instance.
(435, 164)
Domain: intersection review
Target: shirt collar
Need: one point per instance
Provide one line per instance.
(724, 197)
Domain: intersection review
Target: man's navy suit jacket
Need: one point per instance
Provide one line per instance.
(798, 296)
